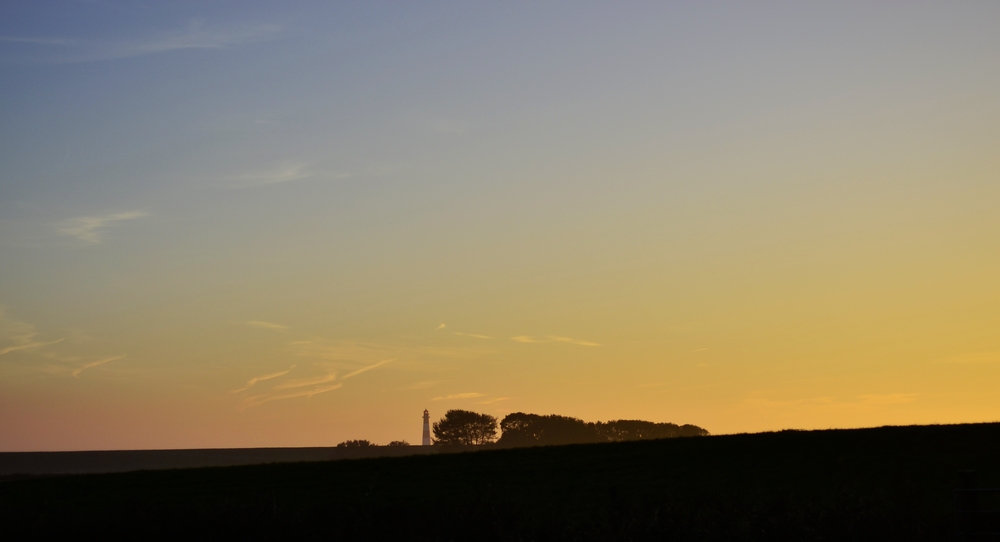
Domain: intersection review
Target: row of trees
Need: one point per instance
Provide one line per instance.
(465, 428)
(369, 444)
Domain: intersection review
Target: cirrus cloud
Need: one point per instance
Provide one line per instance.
(552, 339)
(89, 228)
(196, 35)
(266, 325)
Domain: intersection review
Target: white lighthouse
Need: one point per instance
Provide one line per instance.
(427, 429)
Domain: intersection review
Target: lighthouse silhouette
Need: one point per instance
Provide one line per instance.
(427, 429)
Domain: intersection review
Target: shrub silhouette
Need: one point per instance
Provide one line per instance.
(520, 429)
(399, 443)
(355, 444)
(622, 430)
(465, 428)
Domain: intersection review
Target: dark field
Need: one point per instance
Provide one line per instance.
(892, 483)
(13, 464)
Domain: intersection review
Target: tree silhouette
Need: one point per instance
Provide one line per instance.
(520, 429)
(399, 443)
(355, 444)
(621, 430)
(465, 428)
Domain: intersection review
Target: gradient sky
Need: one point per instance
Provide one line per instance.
(229, 224)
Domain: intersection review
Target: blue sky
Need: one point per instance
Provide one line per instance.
(589, 196)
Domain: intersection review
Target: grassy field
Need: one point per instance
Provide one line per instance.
(891, 483)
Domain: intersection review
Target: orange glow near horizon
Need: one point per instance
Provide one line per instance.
(296, 231)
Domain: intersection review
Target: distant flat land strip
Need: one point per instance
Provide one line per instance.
(890, 483)
(100, 461)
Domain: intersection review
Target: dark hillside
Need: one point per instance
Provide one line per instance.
(892, 483)
(91, 462)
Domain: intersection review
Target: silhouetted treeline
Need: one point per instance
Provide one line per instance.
(520, 429)
(369, 444)
(355, 444)
(461, 429)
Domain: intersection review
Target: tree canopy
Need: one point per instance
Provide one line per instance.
(355, 444)
(520, 429)
(620, 430)
(465, 428)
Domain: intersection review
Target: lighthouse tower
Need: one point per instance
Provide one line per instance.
(427, 429)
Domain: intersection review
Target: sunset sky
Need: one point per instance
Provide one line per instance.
(235, 224)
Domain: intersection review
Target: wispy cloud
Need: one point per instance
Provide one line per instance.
(276, 175)
(697, 350)
(303, 382)
(572, 341)
(258, 400)
(194, 36)
(262, 378)
(89, 228)
(78, 370)
(473, 335)
(320, 379)
(27, 346)
(289, 389)
(331, 363)
(491, 401)
(269, 376)
(469, 395)
(16, 335)
(368, 368)
(22, 337)
(343, 352)
(352, 353)
(280, 174)
(462, 334)
(332, 358)
(64, 42)
(266, 325)
(552, 339)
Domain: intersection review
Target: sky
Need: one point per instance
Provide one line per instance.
(242, 224)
